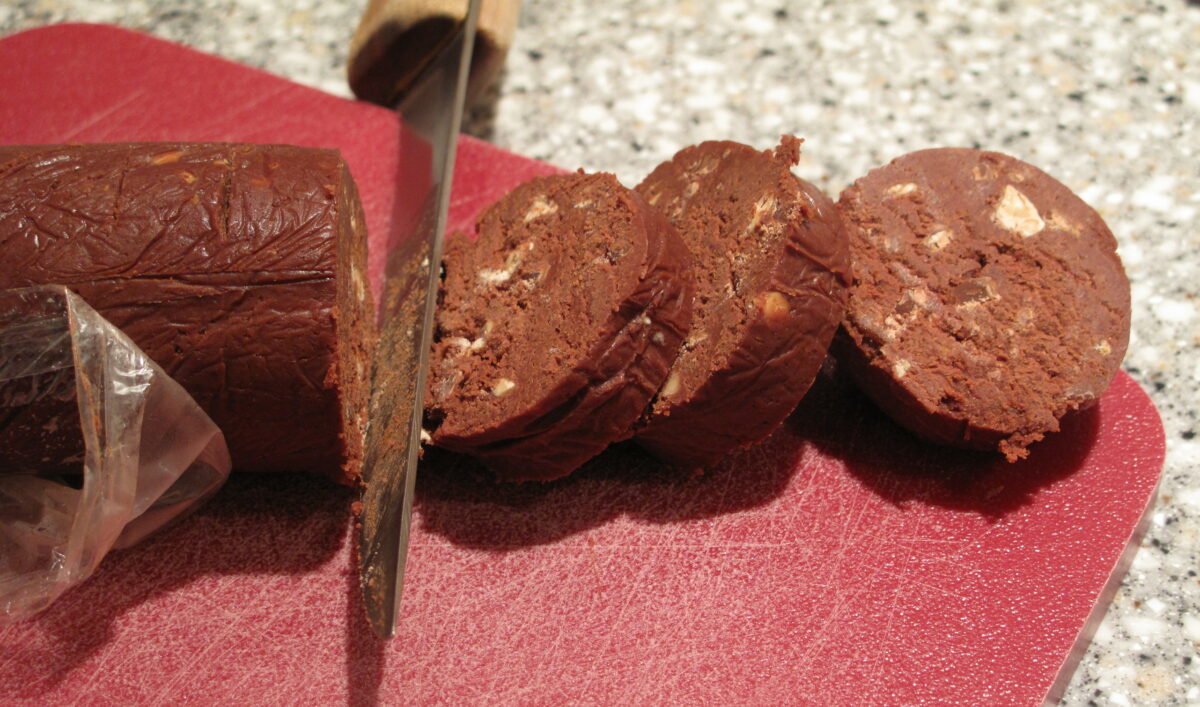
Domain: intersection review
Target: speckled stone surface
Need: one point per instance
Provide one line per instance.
(1103, 95)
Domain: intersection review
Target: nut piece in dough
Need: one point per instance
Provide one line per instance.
(539, 208)
(774, 306)
(1017, 213)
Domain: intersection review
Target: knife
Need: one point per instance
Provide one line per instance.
(430, 111)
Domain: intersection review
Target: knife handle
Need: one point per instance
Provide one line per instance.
(396, 39)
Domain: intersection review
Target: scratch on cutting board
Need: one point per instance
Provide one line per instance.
(633, 591)
(883, 645)
(102, 668)
(974, 543)
(845, 554)
(717, 544)
(263, 98)
(164, 693)
(822, 632)
(102, 115)
(849, 536)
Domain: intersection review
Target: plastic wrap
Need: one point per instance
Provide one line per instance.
(98, 446)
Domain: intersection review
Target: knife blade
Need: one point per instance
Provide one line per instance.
(431, 112)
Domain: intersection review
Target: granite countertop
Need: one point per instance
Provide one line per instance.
(1103, 95)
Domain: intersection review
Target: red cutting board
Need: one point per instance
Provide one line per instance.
(840, 562)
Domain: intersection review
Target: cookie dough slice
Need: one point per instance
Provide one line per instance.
(988, 300)
(771, 274)
(556, 326)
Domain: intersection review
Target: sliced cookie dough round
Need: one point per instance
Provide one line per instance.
(988, 300)
(772, 268)
(556, 326)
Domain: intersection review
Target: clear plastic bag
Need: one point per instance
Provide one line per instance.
(143, 452)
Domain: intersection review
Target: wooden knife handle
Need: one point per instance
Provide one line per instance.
(396, 38)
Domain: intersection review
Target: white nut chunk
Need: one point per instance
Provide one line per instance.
(1016, 213)
(901, 189)
(671, 387)
(491, 276)
(938, 240)
(360, 284)
(502, 387)
(459, 344)
(773, 305)
(765, 204)
(539, 208)
(1058, 222)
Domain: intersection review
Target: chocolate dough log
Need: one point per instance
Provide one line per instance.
(556, 327)
(240, 269)
(39, 424)
(988, 299)
(771, 275)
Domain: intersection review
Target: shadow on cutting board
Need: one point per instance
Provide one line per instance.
(459, 500)
(843, 424)
(271, 524)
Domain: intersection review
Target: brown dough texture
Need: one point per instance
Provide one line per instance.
(772, 269)
(240, 269)
(556, 326)
(988, 300)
